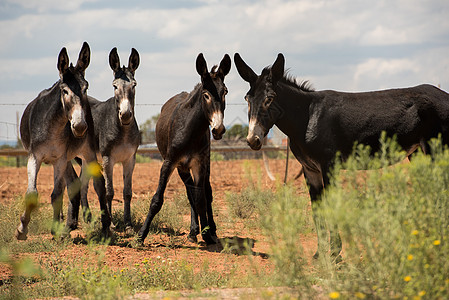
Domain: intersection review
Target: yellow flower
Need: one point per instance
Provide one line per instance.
(334, 295)
(407, 278)
(436, 242)
(410, 257)
(415, 232)
(94, 169)
(360, 295)
(422, 293)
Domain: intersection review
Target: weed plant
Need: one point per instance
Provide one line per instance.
(394, 223)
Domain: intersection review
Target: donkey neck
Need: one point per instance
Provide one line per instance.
(55, 112)
(295, 104)
(195, 116)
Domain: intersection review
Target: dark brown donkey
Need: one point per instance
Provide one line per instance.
(117, 135)
(56, 127)
(183, 139)
(321, 124)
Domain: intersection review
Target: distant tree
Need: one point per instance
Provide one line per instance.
(147, 130)
(236, 132)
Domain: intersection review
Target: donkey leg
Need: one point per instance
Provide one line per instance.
(157, 200)
(74, 191)
(84, 178)
(336, 245)
(194, 225)
(108, 168)
(199, 175)
(128, 169)
(59, 170)
(100, 190)
(210, 214)
(335, 239)
(31, 197)
(315, 182)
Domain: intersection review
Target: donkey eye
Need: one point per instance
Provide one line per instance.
(65, 92)
(206, 97)
(115, 86)
(267, 102)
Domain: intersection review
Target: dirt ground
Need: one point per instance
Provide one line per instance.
(225, 176)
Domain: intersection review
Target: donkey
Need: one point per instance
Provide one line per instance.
(55, 127)
(117, 135)
(183, 139)
(320, 124)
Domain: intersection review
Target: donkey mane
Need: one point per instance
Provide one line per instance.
(290, 80)
(213, 72)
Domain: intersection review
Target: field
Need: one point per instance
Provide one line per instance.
(226, 176)
(393, 221)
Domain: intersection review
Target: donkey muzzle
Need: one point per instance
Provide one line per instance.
(125, 112)
(216, 123)
(256, 133)
(254, 142)
(126, 117)
(79, 129)
(78, 123)
(217, 133)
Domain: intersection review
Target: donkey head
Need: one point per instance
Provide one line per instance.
(74, 89)
(263, 111)
(124, 85)
(213, 92)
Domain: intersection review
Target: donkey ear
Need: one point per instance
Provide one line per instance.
(225, 66)
(277, 70)
(201, 65)
(63, 61)
(134, 60)
(244, 70)
(114, 60)
(83, 58)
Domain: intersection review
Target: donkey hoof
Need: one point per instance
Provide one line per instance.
(316, 255)
(129, 230)
(208, 239)
(112, 226)
(215, 238)
(21, 235)
(337, 259)
(87, 217)
(192, 239)
(72, 226)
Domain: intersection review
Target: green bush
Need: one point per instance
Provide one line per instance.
(394, 223)
(142, 159)
(283, 222)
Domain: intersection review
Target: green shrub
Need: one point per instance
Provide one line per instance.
(283, 222)
(394, 223)
(142, 159)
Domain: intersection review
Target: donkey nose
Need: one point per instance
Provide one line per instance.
(218, 132)
(79, 129)
(126, 117)
(254, 142)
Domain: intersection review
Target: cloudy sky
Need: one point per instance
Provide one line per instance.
(348, 45)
